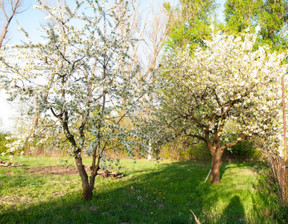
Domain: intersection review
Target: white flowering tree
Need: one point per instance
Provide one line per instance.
(225, 82)
(84, 80)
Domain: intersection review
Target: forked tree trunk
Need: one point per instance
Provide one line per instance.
(87, 189)
(216, 164)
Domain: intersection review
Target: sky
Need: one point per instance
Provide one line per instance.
(32, 20)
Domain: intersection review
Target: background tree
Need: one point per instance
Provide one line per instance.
(201, 93)
(241, 14)
(149, 54)
(191, 23)
(8, 10)
(273, 17)
(270, 15)
(81, 76)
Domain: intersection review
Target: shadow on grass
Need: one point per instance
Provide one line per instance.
(233, 212)
(163, 196)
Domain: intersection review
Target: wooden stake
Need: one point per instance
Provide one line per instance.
(284, 138)
(284, 119)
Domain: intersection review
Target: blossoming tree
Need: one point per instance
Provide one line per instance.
(227, 81)
(84, 80)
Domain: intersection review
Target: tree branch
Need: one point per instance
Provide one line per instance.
(231, 144)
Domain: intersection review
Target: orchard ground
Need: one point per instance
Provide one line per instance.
(149, 192)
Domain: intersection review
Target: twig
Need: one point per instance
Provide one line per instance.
(69, 165)
(195, 217)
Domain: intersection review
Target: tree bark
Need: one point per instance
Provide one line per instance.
(87, 193)
(149, 151)
(216, 164)
(87, 189)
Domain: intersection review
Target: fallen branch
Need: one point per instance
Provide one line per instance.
(8, 164)
(107, 173)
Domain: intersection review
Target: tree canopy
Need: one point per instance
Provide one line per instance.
(228, 81)
(191, 23)
(271, 16)
(83, 79)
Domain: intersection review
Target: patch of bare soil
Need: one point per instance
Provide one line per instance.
(70, 171)
(53, 170)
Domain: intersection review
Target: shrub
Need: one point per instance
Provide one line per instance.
(185, 149)
(245, 150)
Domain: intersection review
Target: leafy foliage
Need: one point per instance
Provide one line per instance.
(241, 14)
(271, 16)
(191, 24)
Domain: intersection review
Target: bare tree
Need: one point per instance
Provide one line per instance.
(150, 28)
(9, 9)
(154, 36)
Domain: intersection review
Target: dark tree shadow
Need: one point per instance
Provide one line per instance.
(163, 196)
(234, 211)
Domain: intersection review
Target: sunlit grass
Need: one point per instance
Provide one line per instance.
(150, 192)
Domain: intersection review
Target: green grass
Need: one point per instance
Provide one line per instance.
(161, 193)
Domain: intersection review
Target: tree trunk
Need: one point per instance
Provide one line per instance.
(216, 164)
(149, 151)
(87, 192)
(87, 189)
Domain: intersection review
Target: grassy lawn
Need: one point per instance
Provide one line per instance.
(148, 193)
